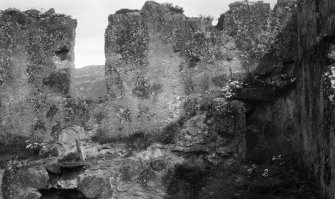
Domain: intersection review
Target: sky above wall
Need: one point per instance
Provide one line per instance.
(92, 18)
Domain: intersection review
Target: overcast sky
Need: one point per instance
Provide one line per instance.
(92, 18)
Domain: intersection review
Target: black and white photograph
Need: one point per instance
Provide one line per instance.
(167, 99)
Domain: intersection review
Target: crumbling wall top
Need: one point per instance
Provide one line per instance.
(280, 2)
(243, 5)
(36, 60)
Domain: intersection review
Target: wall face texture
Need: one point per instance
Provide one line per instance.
(157, 57)
(161, 66)
(267, 43)
(316, 23)
(248, 23)
(266, 38)
(36, 58)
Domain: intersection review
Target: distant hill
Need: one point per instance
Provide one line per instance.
(89, 82)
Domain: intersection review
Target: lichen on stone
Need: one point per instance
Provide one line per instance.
(28, 71)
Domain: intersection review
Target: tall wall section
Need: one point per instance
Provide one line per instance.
(267, 43)
(266, 38)
(156, 58)
(315, 97)
(36, 59)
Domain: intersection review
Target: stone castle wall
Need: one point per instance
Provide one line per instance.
(315, 102)
(267, 43)
(36, 59)
(157, 57)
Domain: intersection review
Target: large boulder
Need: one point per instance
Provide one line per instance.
(145, 174)
(67, 145)
(22, 181)
(217, 132)
(94, 185)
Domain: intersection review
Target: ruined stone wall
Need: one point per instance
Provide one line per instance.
(36, 59)
(266, 38)
(157, 57)
(267, 43)
(247, 23)
(316, 23)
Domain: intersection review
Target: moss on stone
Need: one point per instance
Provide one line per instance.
(76, 111)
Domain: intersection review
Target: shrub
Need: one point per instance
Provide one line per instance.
(175, 9)
(228, 91)
(34, 146)
(17, 147)
(206, 18)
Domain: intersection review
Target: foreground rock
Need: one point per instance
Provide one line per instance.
(211, 136)
(67, 145)
(22, 181)
(158, 173)
(218, 133)
(142, 175)
(167, 131)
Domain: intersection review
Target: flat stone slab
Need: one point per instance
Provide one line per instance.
(72, 164)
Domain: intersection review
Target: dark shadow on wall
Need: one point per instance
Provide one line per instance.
(270, 89)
